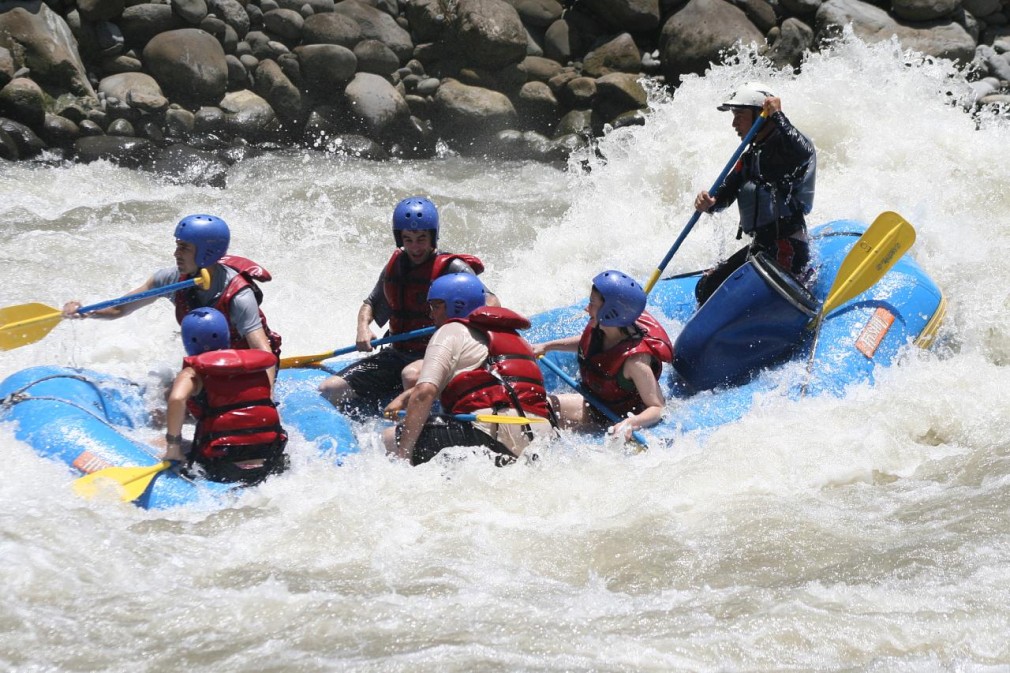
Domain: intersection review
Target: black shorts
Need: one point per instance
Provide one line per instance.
(224, 470)
(441, 432)
(792, 255)
(375, 379)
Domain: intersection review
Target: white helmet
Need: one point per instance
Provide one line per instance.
(751, 94)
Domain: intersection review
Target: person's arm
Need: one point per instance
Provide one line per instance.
(418, 409)
(638, 370)
(567, 345)
(365, 335)
(187, 383)
(112, 312)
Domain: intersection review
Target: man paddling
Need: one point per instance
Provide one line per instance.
(773, 185)
(399, 298)
(201, 242)
(476, 362)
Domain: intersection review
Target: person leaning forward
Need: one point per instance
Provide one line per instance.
(773, 185)
(201, 242)
(475, 363)
(399, 299)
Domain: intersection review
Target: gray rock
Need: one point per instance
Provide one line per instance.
(579, 93)
(27, 142)
(489, 33)
(248, 116)
(331, 28)
(924, 10)
(231, 12)
(120, 150)
(6, 67)
(8, 148)
(375, 57)
(621, 15)
(179, 122)
(618, 93)
(121, 127)
(540, 69)
(185, 165)
(238, 76)
(698, 34)
(100, 10)
(872, 24)
(42, 38)
(981, 8)
(121, 86)
(357, 146)
(538, 13)
(286, 23)
(537, 105)
(275, 87)
(190, 11)
(314, 6)
(120, 64)
(377, 25)
(189, 65)
(141, 23)
(90, 128)
(22, 100)
(326, 68)
(465, 113)
(761, 14)
(802, 8)
(427, 86)
(427, 19)
(374, 101)
(794, 39)
(618, 55)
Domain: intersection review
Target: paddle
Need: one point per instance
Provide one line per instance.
(876, 251)
(131, 482)
(488, 418)
(589, 397)
(300, 360)
(27, 323)
(755, 127)
(873, 255)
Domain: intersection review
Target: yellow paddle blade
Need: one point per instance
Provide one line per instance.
(876, 251)
(301, 360)
(505, 420)
(129, 483)
(26, 323)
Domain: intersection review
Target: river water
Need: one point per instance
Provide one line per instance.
(866, 533)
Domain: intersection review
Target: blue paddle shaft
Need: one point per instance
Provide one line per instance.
(755, 127)
(130, 298)
(589, 397)
(406, 336)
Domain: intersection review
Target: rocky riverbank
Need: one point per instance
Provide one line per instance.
(187, 87)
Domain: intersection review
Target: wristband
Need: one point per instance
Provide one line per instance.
(173, 439)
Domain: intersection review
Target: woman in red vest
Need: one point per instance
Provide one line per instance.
(621, 355)
(238, 434)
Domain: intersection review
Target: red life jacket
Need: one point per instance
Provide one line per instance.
(236, 419)
(406, 291)
(601, 372)
(248, 273)
(510, 378)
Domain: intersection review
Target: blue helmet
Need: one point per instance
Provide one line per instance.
(205, 329)
(209, 234)
(461, 292)
(623, 299)
(415, 213)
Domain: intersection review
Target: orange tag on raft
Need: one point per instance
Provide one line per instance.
(874, 331)
(88, 462)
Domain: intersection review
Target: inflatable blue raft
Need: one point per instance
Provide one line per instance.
(89, 420)
(760, 318)
(735, 347)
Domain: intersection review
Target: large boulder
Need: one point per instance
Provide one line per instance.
(538, 13)
(326, 68)
(39, 38)
(248, 116)
(141, 23)
(697, 35)
(942, 39)
(331, 28)
(378, 25)
(189, 65)
(23, 101)
(618, 55)
(631, 15)
(490, 33)
(466, 113)
(377, 104)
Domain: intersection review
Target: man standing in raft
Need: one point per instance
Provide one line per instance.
(773, 185)
(399, 298)
(475, 363)
(238, 435)
(201, 242)
(621, 355)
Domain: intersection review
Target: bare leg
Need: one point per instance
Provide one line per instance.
(336, 390)
(571, 410)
